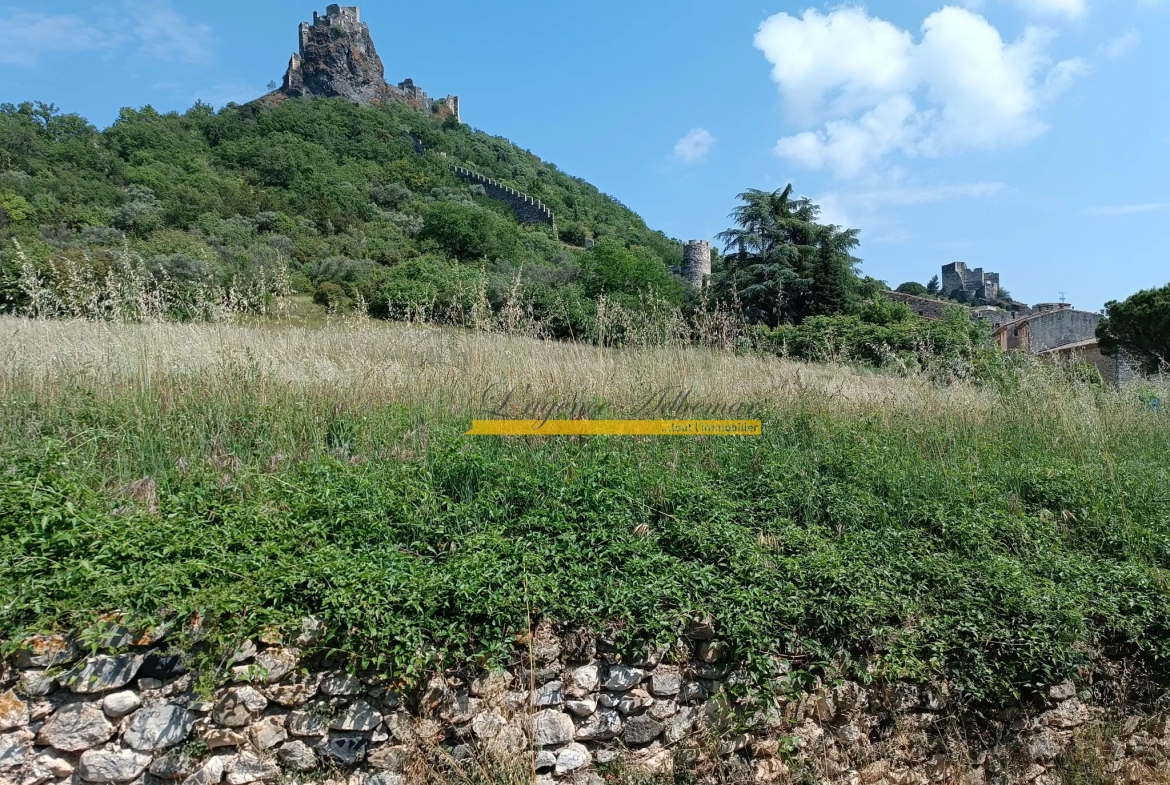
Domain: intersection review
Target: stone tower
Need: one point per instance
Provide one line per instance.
(697, 262)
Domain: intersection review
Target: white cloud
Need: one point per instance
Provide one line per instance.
(29, 36)
(1070, 9)
(1073, 9)
(869, 208)
(878, 92)
(1063, 74)
(1130, 209)
(164, 34)
(694, 147)
(847, 55)
(157, 32)
(1119, 47)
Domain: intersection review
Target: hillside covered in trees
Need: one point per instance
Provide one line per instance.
(360, 206)
(343, 194)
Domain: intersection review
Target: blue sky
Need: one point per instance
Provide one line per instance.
(1029, 137)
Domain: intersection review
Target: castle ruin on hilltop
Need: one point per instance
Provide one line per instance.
(337, 58)
(960, 283)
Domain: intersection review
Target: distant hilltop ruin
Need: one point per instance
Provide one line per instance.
(1055, 331)
(960, 283)
(337, 58)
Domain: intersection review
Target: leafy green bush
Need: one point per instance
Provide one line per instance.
(892, 333)
(991, 547)
(331, 296)
(612, 268)
(468, 232)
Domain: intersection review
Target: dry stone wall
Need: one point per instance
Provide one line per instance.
(281, 716)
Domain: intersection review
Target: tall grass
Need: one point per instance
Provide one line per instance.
(991, 536)
(122, 289)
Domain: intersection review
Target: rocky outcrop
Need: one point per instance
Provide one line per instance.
(570, 706)
(337, 58)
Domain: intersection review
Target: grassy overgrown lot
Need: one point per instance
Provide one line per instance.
(990, 536)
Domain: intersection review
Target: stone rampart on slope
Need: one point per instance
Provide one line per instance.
(527, 209)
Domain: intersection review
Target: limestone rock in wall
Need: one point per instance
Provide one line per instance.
(359, 716)
(210, 773)
(159, 727)
(303, 723)
(248, 767)
(99, 674)
(299, 756)
(15, 748)
(119, 704)
(13, 711)
(268, 732)
(237, 706)
(76, 727)
(106, 767)
(551, 728)
(174, 767)
(45, 651)
(36, 684)
(622, 678)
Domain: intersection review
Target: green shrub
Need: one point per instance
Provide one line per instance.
(331, 296)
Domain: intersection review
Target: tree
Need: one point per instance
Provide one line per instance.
(468, 232)
(141, 214)
(782, 265)
(1139, 327)
(612, 268)
(914, 289)
(933, 287)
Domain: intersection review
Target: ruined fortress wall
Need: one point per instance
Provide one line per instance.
(923, 306)
(527, 209)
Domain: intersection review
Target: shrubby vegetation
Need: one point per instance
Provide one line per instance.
(206, 214)
(991, 539)
(338, 193)
(887, 334)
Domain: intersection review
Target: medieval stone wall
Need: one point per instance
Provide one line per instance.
(1116, 371)
(527, 209)
(923, 306)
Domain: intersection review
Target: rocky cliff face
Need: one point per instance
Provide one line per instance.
(337, 58)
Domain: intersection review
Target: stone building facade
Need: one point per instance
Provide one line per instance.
(1114, 370)
(1047, 330)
